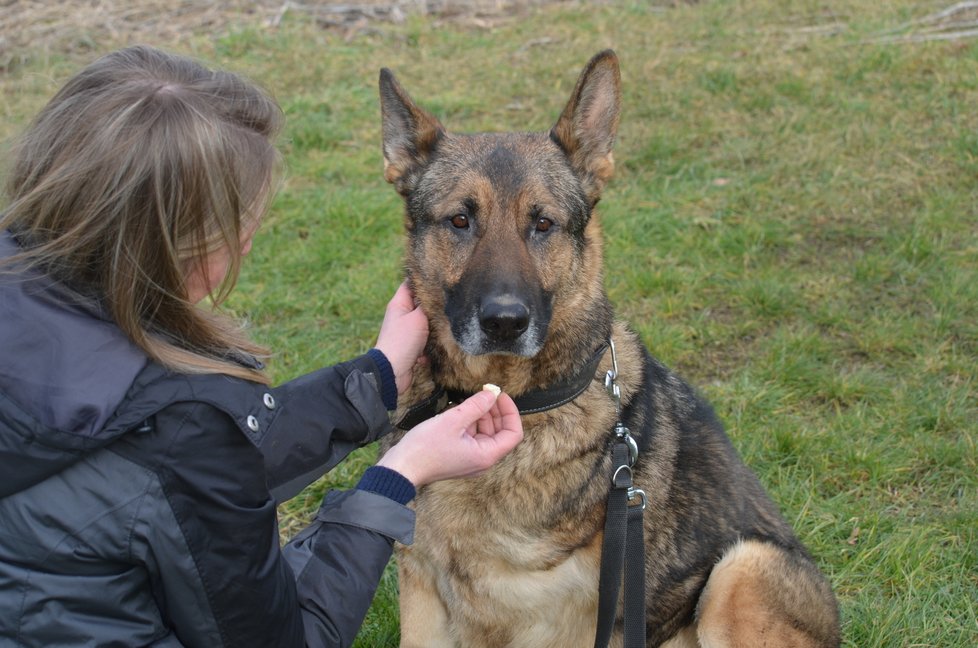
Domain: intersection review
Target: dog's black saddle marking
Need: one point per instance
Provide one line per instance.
(538, 400)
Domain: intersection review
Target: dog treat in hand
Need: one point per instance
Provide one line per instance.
(492, 388)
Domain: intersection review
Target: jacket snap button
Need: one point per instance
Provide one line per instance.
(269, 401)
(253, 423)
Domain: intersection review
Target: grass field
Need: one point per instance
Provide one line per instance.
(793, 227)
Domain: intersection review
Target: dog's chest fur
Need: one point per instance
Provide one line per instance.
(518, 548)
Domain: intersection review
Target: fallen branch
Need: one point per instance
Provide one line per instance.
(922, 38)
(958, 21)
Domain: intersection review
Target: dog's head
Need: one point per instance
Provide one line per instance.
(500, 224)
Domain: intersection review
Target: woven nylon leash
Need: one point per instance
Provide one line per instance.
(623, 547)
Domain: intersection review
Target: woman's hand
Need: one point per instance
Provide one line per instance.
(403, 335)
(461, 442)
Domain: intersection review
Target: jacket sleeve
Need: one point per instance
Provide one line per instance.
(349, 542)
(222, 578)
(321, 417)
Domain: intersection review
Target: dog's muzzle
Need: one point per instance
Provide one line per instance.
(499, 324)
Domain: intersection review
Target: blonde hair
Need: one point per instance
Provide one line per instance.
(140, 166)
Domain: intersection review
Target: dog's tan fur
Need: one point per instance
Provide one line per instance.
(511, 558)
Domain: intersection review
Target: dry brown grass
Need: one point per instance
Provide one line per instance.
(28, 29)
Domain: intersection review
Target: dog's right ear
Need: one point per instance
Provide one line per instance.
(410, 133)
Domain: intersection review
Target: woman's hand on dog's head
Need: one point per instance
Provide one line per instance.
(461, 442)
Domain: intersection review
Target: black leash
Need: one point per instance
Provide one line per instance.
(623, 547)
(538, 400)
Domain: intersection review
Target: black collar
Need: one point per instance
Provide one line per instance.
(538, 400)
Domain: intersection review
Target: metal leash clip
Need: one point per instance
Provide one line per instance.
(640, 494)
(611, 385)
(623, 474)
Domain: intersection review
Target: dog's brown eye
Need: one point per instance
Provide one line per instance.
(544, 224)
(460, 221)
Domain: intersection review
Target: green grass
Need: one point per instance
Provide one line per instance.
(793, 227)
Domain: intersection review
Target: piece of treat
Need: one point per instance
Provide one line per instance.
(493, 388)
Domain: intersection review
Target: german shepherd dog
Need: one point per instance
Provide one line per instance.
(504, 254)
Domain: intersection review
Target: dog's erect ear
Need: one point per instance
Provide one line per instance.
(410, 133)
(587, 127)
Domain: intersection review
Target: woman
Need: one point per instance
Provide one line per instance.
(142, 451)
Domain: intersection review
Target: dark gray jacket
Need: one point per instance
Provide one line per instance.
(138, 506)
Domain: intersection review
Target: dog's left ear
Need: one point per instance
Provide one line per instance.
(586, 129)
(410, 133)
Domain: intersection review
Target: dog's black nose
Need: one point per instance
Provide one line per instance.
(504, 319)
